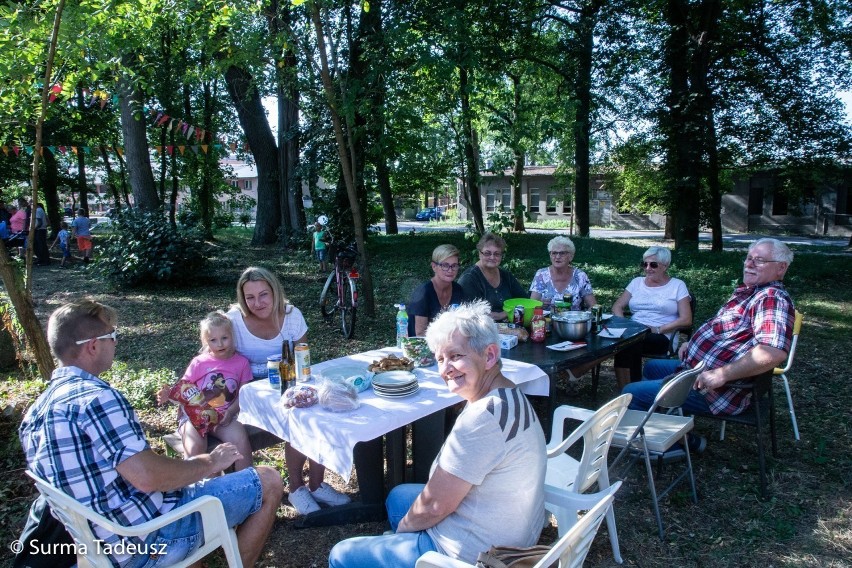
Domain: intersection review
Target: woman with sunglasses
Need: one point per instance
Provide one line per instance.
(553, 282)
(436, 294)
(658, 301)
(485, 280)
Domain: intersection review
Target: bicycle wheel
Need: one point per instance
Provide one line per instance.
(347, 308)
(328, 298)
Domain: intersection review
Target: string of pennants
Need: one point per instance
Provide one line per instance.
(159, 119)
(87, 150)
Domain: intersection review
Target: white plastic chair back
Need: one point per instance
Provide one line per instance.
(571, 548)
(566, 474)
(77, 518)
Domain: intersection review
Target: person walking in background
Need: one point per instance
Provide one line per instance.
(81, 227)
(63, 239)
(42, 249)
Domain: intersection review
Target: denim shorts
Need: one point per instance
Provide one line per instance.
(241, 496)
(321, 254)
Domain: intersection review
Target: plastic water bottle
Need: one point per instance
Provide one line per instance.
(401, 324)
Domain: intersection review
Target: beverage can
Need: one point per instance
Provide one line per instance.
(568, 299)
(272, 371)
(303, 362)
(518, 315)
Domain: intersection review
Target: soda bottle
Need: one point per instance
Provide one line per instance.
(287, 366)
(401, 324)
(538, 330)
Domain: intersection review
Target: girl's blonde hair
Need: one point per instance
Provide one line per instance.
(211, 320)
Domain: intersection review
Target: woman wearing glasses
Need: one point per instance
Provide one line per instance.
(485, 280)
(658, 301)
(436, 294)
(552, 283)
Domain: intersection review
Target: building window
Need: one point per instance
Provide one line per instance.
(235, 183)
(780, 203)
(552, 202)
(247, 185)
(507, 197)
(534, 200)
(489, 200)
(566, 204)
(755, 201)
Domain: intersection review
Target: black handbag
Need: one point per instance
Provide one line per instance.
(512, 556)
(45, 542)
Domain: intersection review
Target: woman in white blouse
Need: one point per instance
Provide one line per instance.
(263, 320)
(658, 301)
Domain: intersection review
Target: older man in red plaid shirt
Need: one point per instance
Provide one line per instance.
(749, 335)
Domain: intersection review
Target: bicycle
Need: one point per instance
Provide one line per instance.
(340, 292)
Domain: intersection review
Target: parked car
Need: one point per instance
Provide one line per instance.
(429, 214)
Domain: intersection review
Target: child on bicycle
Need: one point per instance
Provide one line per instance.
(208, 392)
(320, 242)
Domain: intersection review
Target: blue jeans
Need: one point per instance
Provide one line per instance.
(392, 551)
(645, 391)
(241, 496)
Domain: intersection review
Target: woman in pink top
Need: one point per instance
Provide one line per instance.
(16, 222)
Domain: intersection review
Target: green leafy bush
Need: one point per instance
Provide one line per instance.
(144, 248)
(140, 386)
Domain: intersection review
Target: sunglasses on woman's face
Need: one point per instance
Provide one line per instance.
(647, 264)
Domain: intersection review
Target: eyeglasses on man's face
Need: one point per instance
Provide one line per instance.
(111, 335)
(447, 267)
(651, 264)
(558, 253)
(491, 253)
(758, 261)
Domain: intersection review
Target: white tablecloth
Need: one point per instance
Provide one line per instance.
(330, 437)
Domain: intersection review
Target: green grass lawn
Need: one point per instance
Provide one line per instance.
(806, 522)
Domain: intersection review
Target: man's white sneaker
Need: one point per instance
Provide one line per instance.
(303, 502)
(327, 496)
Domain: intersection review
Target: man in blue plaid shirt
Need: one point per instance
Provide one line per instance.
(749, 335)
(82, 436)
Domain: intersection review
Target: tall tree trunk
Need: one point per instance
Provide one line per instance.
(471, 153)
(256, 128)
(82, 187)
(138, 161)
(709, 15)
(520, 160)
(517, 182)
(205, 192)
(683, 130)
(112, 189)
(122, 169)
(583, 116)
(345, 165)
(50, 189)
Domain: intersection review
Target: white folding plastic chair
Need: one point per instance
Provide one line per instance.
(572, 547)
(642, 434)
(566, 474)
(76, 518)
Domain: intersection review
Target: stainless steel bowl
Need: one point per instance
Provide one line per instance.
(572, 326)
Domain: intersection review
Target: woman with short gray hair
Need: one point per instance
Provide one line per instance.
(552, 283)
(658, 301)
(496, 446)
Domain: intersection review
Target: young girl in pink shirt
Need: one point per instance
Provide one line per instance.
(212, 380)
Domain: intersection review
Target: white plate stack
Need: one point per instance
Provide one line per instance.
(395, 384)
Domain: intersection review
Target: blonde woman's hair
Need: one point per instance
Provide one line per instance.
(443, 252)
(211, 320)
(260, 274)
